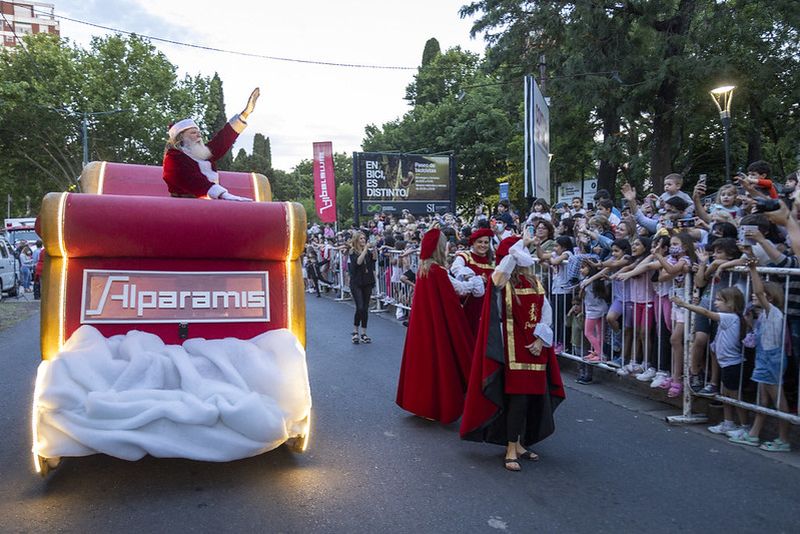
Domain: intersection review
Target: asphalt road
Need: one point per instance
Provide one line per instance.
(373, 468)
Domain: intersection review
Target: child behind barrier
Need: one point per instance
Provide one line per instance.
(561, 291)
(595, 304)
(641, 295)
(726, 349)
(641, 273)
(710, 279)
(619, 258)
(674, 268)
(770, 363)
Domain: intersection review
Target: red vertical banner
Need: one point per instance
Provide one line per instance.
(324, 182)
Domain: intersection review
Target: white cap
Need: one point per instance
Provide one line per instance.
(180, 126)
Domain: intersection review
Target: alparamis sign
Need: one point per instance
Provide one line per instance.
(174, 296)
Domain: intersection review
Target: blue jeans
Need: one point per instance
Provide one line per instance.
(27, 276)
(793, 323)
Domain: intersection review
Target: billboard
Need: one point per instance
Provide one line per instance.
(569, 190)
(537, 142)
(391, 182)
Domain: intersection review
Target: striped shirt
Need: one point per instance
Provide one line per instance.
(793, 303)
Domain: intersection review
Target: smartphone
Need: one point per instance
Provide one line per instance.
(687, 222)
(531, 229)
(743, 229)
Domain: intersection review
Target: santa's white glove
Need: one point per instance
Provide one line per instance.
(228, 196)
(216, 191)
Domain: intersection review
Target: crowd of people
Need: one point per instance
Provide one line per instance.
(628, 281)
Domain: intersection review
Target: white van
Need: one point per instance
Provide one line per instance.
(9, 275)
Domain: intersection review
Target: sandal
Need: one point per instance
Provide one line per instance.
(507, 462)
(365, 338)
(675, 390)
(744, 438)
(355, 338)
(592, 357)
(777, 445)
(529, 455)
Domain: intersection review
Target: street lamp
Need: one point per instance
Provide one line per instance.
(722, 98)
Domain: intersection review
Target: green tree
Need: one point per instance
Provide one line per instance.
(638, 74)
(216, 118)
(45, 92)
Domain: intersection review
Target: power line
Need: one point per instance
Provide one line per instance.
(236, 52)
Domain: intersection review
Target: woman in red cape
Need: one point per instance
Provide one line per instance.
(515, 383)
(477, 261)
(438, 348)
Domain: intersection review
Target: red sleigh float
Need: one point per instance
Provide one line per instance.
(126, 227)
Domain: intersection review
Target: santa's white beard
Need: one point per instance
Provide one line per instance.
(197, 150)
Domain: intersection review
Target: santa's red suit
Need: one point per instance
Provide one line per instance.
(514, 316)
(188, 176)
(467, 264)
(437, 351)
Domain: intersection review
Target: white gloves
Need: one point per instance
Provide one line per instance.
(228, 196)
(477, 287)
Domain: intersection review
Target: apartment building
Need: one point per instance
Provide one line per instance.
(24, 18)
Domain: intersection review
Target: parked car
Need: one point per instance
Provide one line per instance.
(9, 270)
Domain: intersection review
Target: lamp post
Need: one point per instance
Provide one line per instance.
(722, 98)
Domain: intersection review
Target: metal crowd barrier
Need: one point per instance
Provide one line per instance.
(651, 348)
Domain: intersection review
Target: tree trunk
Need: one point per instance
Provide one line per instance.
(673, 29)
(754, 135)
(607, 173)
(663, 126)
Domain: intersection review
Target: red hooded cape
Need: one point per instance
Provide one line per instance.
(484, 416)
(437, 352)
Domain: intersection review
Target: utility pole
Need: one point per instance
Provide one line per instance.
(85, 125)
(85, 129)
(85, 137)
(543, 74)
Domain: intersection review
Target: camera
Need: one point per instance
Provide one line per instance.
(767, 204)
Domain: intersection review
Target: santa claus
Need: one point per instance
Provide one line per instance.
(189, 164)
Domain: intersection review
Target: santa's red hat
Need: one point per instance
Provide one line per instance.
(479, 233)
(429, 243)
(505, 245)
(177, 127)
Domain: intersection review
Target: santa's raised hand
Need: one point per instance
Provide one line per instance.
(251, 103)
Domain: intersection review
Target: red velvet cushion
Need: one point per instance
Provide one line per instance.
(146, 180)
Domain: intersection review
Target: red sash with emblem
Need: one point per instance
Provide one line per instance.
(502, 366)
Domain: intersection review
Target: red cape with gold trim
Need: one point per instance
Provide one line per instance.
(484, 416)
(437, 352)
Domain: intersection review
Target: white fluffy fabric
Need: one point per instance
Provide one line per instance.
(132, 395)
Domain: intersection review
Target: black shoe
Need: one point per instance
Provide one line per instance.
(405, 323)
(584, 380)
